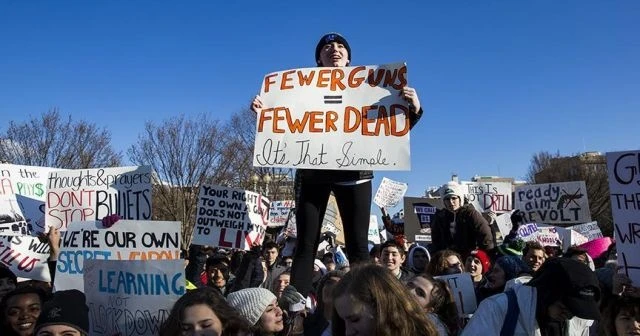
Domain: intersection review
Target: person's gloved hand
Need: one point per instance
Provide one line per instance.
(108, 221)
(292, 300)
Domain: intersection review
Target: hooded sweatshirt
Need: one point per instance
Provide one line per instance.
(410, 262)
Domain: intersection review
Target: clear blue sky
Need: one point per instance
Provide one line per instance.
(499, 80)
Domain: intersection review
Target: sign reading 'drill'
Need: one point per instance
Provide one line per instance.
(25, 256)
(279, 212)
(125, 240)
(554, 203)
(349, 118)
(131, 297)
(490, 196)
(92, 194)
(390, 193)
(22, 197)
(624, 186)
(230, 218)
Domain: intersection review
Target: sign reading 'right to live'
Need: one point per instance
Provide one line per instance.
(349, 118)
(624, 185)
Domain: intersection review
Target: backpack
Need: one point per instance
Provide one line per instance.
(513, 311)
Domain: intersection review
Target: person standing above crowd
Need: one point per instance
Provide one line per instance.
(352, 189)
(459, 227)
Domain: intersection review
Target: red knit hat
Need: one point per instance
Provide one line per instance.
(484, 260)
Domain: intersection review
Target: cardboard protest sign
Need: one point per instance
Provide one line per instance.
(548, 236)
(132, 297)
(125, 240)
(463, 293)
(374, 231)
(332, 222)
(292, 229)
(279, 212)
(624, 186)
(390, 193)
(24, 186)
(554, 203)
(591, 231)
(489, 196)
(25, 256)
(92, 194)
(350, 118)
(418, 216)
(230, 218)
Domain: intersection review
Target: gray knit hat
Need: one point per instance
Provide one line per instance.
(251, 302)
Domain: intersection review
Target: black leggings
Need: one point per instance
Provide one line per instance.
(354, 204)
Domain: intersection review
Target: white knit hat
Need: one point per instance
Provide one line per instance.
(251, 302)
(452, 188)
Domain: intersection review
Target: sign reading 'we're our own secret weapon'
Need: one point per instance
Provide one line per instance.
(349, 118)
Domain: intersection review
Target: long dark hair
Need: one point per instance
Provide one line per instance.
(615, 306)
(232, 322)
(442, 303)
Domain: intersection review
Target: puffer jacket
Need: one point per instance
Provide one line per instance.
(472, 231)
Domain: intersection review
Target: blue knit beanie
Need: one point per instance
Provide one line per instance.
(512, 266)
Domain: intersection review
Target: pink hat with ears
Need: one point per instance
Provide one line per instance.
(597, 247)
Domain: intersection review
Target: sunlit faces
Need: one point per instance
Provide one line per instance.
(358, 318)
(627, 323)
(392, 258)
(474, 266)
(271, 255)
(452, 203)
(58, 330)
(334, 54)
(200, 320)
(421, 289)
(272, 320)
(454, 265)
(216, 276)
(22, 312)
(496, 277)
(419, 259)
(6, 285)
(281, 282)
(559, 312)
(535, 258)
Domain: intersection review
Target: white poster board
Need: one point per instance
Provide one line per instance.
(25, 256)
(24, 186)
(374, 231)
(528, 232)
(463, 292)
(490, 196)
(279, 212)
(230, 218)
(131, 297)
(349, 118)
(390, 193)
(504, 223)
(554, 203)
(125, 240)
(591, 231)
(92, 194)
(624, 186)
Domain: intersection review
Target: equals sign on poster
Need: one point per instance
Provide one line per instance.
(333, 99)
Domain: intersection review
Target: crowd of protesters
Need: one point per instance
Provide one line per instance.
(391, 289)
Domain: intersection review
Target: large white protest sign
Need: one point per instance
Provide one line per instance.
(528, 232)
(390, 193)
(279, 212)
(489, 196)
(92, 194)
(624, 186)
(548, 236)
(230, 218)
(463, 293)
(23, 193)
(591, 231)
(125, 240)
(554, 203)
(374, 231)
(348, 118)
(25, 256)
(131, 297)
